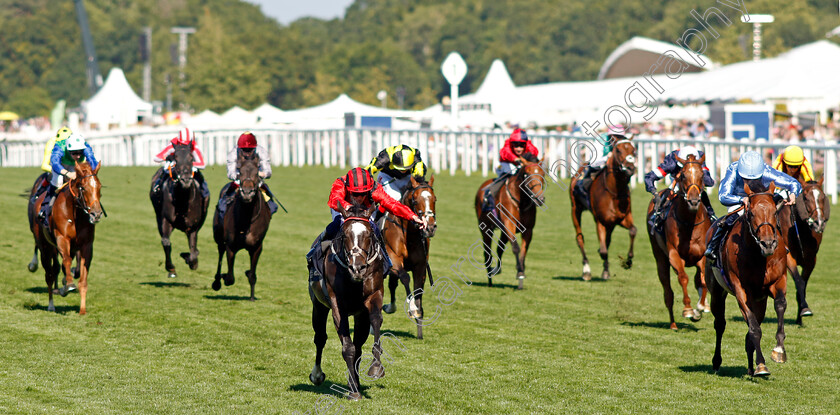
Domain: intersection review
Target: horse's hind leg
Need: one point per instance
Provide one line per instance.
(231, 256)
(50, 264)
(702, 289)
(576, 212)
(717, 302)
(217, 283)
(800, 287)
(165, 229)
(679, 266)
(252, 273)
(753, 312)
(663, 270)
(807, 268)
(627, 223)
(604, 237)
(780, 302)
(487, 244)
(33, 264)
(319, 325)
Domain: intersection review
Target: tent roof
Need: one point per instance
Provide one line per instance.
(635, 57)
(268, 113)
(238, 116)
(115, 102)
(496, 82)
(205, 117)
(344, 104)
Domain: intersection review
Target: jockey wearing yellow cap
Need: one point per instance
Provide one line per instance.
(793, 162)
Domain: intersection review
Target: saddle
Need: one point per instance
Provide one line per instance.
(491, 192)
(582, 188)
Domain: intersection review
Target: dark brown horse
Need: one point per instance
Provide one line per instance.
(609, 198)
(408, 248)
(516, 205)
(245, 223)
(75, 212)
(354, 274)
(684, 239)
(179, 205)
(753, 258)
(803, 228)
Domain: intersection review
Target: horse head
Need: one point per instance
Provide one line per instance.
(421, 199)
(249, 176)
(533, 181)
(624, 153)
(690, 180)
(760, 216)
(812, 206)
(85, 189)
(182, 171)
(359, 242)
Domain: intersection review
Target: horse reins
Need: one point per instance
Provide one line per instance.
(748, 217)
(82, 202)
(355, 250)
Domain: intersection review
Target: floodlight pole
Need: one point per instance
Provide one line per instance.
(757, 20)
(182, 33)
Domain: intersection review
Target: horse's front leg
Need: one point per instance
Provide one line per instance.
(780, 302)
(63, 245)
(192, 239)
(752, 340)
(678, 264)
(348, 349)
(252, 273)
(523, 252)
(717, 303)
(603, 246)
(627, 223)
(576, 214)
(231, 256)
(373, 305)
(166, 229)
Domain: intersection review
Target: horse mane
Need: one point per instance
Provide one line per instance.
(757, 186)
(814, 182)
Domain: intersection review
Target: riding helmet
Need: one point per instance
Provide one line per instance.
(247, 140)
(358, 180)
(75, 142)
(518, 135)
(403, 159)
(63, 133)
(185, 137)
(750, 165)
(794, 156)
(686, 151)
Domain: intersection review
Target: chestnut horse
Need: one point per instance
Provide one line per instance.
(753, 266)
(75, 212)
(408, 248)
(609, 199)
(516, 206)
(803, 227)
(179, 205)
(244, 225)
(684, 239)
(354, 275)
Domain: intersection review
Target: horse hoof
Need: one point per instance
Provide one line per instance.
(587, 276)
(229, 279)
(355, 396)
(171, 274)
(194, 265)
(317, 380)
(605, 275)
(376, 372)
(51, 308)
(489, 282)
(627, 263)
(761, 370)
(252, 299)
(806, 312)
(674, 326)
(389, 308)
(217, 285)
(778, 357)
(32, 267)
(521, 283)
(697, 316)
(66, 289)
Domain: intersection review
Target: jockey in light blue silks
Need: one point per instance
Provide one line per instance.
(749, 168)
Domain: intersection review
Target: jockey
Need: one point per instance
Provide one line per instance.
(357, 188)
(793, 162)
(60, 135)
(516, 148)
(670, 166)
(593, 168)
(748, 169)
(396, 165)
(166, 156)
(246, 144)
(63, 160)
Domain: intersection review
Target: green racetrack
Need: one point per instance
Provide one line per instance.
(150, 344)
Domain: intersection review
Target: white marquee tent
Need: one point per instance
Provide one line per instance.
(115, 103)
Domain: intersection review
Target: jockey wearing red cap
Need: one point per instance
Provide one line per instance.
(357, 188)
(516, 148)
(246, 144)
(166, 156)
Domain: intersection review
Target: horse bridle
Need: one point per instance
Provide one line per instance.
(748, 217)
(355, 250)
(413, 202)
(82, 202)
(524, 176)
(693, 185)
(621, 166)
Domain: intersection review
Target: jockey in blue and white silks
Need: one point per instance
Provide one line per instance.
(748, 168)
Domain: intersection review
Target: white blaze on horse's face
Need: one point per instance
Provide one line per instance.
(630, 159)
(357, 229)
(817, 203)
(427, 197)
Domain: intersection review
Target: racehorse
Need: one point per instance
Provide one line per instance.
(408, 248)
(245, 223)
(75, 212)
(41, 182)
(803, 227)
(179, 205)
(354, 275)
(516, 206)
(682, 242)
(609, 201)
(753, 266)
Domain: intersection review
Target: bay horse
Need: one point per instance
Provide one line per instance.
(683, 240)
(516, 205)
(803, 228)
(408, 247)
(609, 199)
(354, 275)
(753, 266)
(245, 223)
(179, 205)
(72, 224)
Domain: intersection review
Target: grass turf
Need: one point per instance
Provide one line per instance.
(156, 345)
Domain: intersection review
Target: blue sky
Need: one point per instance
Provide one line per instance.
(287, 11)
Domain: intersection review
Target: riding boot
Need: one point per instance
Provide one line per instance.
(272, 206)
(158, 182)
(723, 227)
(46, 205)
(709, 209)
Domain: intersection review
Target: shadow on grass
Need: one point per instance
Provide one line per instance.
(162, 284)
(228, 297)
(725, 371)
(400, 333)
(578, 278)
(326, 388)
(768, 319)
(661, 325)
(59, 309)
(37, 290)
(496, 285)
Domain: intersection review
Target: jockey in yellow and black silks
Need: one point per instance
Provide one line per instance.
(395, 166)
(792, 161)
